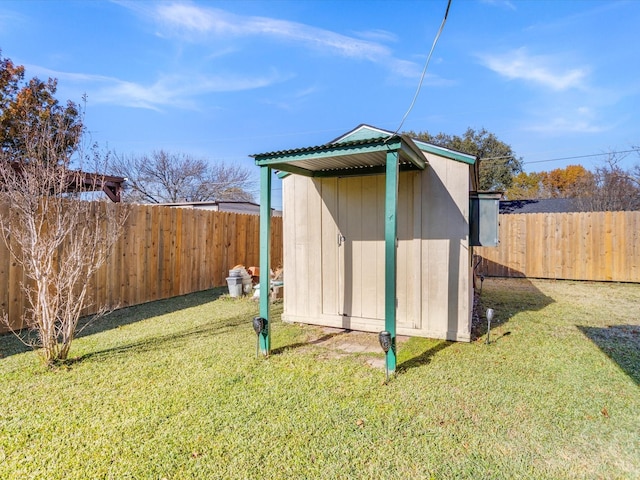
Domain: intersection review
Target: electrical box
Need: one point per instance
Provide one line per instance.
(483, 219)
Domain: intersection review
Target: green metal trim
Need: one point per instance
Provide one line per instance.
(287, 167)
(352, 172)
(363, 172)
(265, 257)
(390, 254)
(286, 161)
(413, 153)
(325, 152)
(362, 132)
(345, 172)
(445, 152)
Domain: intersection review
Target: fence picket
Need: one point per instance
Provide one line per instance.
(166, 252)
(162, 253)
(598, 246)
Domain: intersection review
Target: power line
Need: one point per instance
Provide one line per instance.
(424, 70)
(490, 159)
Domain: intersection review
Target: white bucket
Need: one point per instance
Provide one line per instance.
(235, 286)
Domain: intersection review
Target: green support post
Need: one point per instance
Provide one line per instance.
(390, 257)
(265, 257)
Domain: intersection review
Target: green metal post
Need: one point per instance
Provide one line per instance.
(265, 257)
(390, 249)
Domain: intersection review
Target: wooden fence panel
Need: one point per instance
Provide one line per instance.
(163, 252)
(599, 246)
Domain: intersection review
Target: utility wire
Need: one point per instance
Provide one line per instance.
(562, 158)
(424, 70)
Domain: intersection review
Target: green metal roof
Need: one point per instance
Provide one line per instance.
(362, 151)
(356, 157)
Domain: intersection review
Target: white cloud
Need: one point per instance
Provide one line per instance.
(292, 101)
(377, 35)
(306, 92)
(170, 90)
(216, 30)
(73, 77)
(13, 21)
(540, 70)
(582, 119)
(186, 16)
(197, 24)
(564, 125)
(500, 3)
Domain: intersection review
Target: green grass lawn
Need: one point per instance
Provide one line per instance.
(173, 390)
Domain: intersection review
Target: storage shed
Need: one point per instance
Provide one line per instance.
(376, 234)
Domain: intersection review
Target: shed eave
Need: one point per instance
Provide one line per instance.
(445, 152)
(364, 157)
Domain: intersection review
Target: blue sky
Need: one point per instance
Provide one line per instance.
(225, 79)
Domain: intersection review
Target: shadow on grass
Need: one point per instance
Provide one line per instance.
(128, 315)
(424, 358)
(507, 297)
(11, 345)
(316, 341)
(209, 329)
(621, 343)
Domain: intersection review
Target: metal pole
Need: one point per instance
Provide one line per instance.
(265, 258)
(390, 238)
(386, 367)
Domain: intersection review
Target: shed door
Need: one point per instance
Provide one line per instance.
(353, 249)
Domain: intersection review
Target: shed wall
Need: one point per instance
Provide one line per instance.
(343, 285)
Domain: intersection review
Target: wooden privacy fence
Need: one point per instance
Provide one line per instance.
(164, 252)
(602, 246)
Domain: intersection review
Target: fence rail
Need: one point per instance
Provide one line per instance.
(164, 252)
(599, 246)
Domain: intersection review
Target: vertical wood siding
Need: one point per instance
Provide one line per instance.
(341, 284)
(597, 246)
(163, 252)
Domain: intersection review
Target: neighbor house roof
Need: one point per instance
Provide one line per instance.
(541, 205)
(233, 206)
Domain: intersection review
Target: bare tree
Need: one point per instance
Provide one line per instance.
(177, 177)
(58, 239)
(614, 188)
(635, 173)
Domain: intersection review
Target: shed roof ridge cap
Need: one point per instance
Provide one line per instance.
(362, 126)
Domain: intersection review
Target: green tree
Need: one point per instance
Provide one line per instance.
(30, 106)
(498, 163)
(525, 186)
